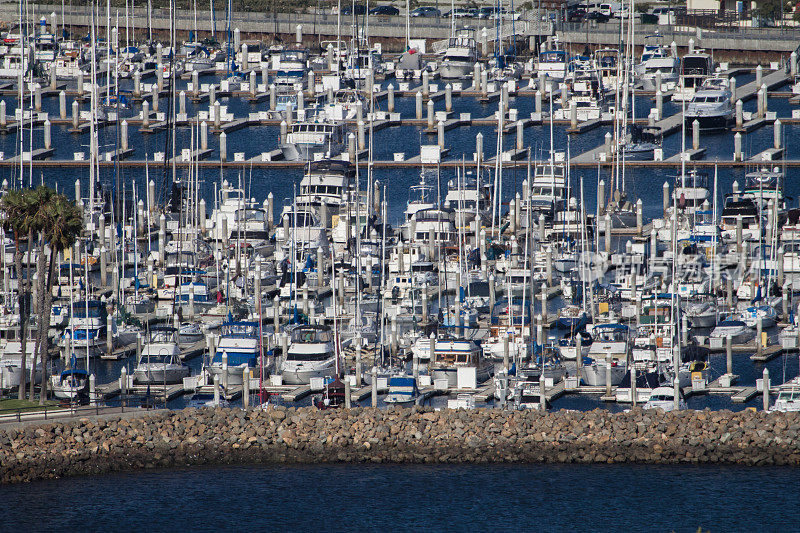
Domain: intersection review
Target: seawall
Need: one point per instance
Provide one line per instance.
(418, 435)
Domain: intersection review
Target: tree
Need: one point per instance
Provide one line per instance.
(39, 200)
(17, 208)
(63, 224)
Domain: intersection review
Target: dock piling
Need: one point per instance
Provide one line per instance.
(659, 103)
(246, 386)
(777, 133)
(448, 97)
(123, 134)
(47, 134)
(204, 135)
(737, 147)
(216, 390)
(223, 147)
(765, 387)
(75, 113)
(696, 134)
(418, 106)
(92, 389)
(62, 105)
(431, 115)
(390, 98)
(374, 386)
(145, 114)
(732, 87)
(137, 83)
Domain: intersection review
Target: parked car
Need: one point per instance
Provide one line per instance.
(426, 12)
(462, 13)
(599, 17)
(384, 10)
(485, 12)
(576, 15)
(358, 9)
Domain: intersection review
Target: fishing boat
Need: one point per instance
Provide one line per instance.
(311, 354)
(333, 395)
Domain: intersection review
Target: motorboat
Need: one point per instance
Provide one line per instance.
(737, 330)
(11, 363)
(664, 398)
(610, 341)
(752, 315)
(71, 384)
(788, 399)
(87, 327)
(460, 56)
(160, 360)
(701, 314)
(711, 107)
(237, 350)
(314, 139)
(691, 190)
(552, 62)
(451, 354)
(695, 68)
(642, 143)
(311, 354)
(595, 372)
(402, 390)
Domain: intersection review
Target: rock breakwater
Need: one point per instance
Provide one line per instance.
(417, 435)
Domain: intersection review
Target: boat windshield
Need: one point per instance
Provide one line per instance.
(311, 335)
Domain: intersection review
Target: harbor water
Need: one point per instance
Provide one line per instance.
(603, 498)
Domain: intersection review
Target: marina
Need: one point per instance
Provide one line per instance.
(474, 223)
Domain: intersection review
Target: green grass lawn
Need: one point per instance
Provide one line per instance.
(13, 404)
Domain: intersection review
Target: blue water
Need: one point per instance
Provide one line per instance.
(603, 498)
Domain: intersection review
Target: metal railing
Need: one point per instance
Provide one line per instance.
(51, 412)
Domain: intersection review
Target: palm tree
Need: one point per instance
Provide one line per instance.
(64, 223)
(40, 220)
(16, 208)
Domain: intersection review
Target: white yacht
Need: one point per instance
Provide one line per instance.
(11, 363)
(160, 361)
(87, 328)
(711, 106)
(450, 354)
(552, 62)
(239, 343)
(460, 56)
(695, 68)
(314, 139)
(788, 399)
(664, 398)
(312, 354)
(735, 329)
(657, 61)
